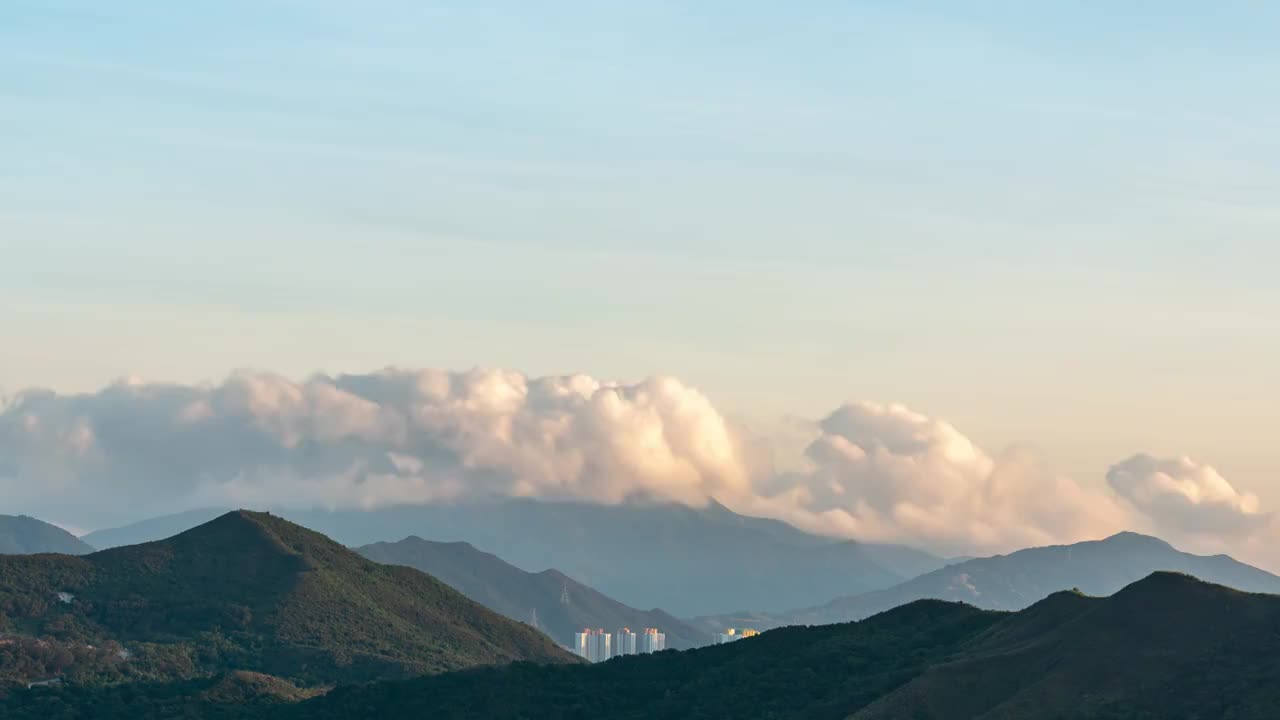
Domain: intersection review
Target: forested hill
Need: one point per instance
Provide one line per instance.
(1168, 646)
(246, 591)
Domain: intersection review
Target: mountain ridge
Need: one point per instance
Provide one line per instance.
(561, 604)
(250, 591)
(1017, 580)
(711, 558)
(25, 535)
(1069, 656)
(1167, 646)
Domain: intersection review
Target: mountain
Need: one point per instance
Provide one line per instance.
(1015, 581)
(1168, 646)
(689, 561)
(559, 604)
(246, 591)
(22, 535)
(153, 529)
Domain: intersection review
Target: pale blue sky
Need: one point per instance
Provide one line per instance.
(1053, 223)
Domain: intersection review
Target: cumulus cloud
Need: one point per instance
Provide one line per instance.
(1182, 495)
(369, 440)
(885, 472)
(871, 471)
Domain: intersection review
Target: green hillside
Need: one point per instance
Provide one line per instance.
(22, 535)
(247, 591)
(1169, 647)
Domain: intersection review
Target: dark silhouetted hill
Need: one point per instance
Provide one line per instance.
(559, 604)
(1168, 646)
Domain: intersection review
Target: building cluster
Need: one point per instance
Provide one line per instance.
(598, 645)
(733, 634)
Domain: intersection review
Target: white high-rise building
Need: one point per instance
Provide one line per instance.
(594, 645)
(624, 642)
(651, 641)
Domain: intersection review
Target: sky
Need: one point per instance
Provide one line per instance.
(1043, 224)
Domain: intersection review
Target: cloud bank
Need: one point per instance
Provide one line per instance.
(371, 440)
(885, 472)
(873, 471)
(1180, 494)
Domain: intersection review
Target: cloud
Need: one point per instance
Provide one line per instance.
(1185, 496)
(871, 471)
(368, 440)
(885, 472)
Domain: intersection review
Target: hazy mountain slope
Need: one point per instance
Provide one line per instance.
(152, 529)
(1014, 581)
(23, 535)
(686, 560)
(250, 591)
(560, 605)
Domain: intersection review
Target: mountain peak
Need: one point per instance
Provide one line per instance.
(1166, 590)
(289, 600)
(246, 546)
(1129, 538)
(1169, 580)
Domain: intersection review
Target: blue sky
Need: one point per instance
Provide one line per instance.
(1047, 222)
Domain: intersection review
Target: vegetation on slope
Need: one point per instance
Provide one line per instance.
(818, 672)
(246, 591)
(232, 695)
(1168, 647)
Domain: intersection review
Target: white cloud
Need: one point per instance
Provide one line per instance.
(1184, 496)
(367, 440)
(885, 472)
(875, 472)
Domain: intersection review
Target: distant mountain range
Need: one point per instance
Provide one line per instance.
(689, 561)
(246, 591)
(251, 616)
(1168, 646)
(152, 529)
(22, 535)
(1017, 580)
(548, 600)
